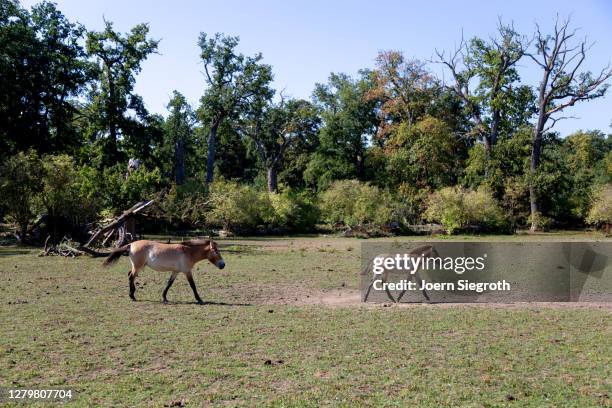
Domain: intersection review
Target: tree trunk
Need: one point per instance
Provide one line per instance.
(536, 152)
(179, 162)
(272, 179)
(487, 147)
(212, 145)
(112, 117)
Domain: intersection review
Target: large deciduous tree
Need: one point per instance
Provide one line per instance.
(42, 71)
(233, 82)
(349, 124)
(496, 104)
(274, 128)
(404, 89)
(115, 110)
(562, 86)
(178, 136)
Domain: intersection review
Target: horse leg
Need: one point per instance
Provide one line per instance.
(423, 289)
(403, 292)
(170, 282)
(193, 287)
(365, 298)
(131, 277)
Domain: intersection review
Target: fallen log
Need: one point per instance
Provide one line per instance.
(118, 225)
(93, 252)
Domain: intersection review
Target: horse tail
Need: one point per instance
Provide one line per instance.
(115, 255)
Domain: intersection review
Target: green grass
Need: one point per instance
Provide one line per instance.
(69, 323)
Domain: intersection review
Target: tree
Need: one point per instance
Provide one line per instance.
(425, 155)
(496, 105)
(562, 86)
(349, 124)
(405, 90)
(43, 69)
(233, 81)
(178, 135)
(20, 185)
(274, 128)
(119, 58)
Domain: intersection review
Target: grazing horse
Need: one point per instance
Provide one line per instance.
(173, 258)
(425, 251)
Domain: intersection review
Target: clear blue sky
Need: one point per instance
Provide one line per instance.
(306, 40)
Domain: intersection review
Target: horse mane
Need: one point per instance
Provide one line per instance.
(196, 242)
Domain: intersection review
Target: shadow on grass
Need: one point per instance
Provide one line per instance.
(11, 252)
(179, 302)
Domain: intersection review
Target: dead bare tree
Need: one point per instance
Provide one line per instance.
(493, 65)
(562, 86)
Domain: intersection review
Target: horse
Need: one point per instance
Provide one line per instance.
(175, 258)
(425, 251)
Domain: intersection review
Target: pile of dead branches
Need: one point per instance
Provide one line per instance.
(65, 247)
(112, 233)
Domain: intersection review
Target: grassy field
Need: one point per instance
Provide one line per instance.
(263, 339)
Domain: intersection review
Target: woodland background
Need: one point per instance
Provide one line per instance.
(383, 151)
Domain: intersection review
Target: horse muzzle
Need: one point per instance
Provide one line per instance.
(221, 264)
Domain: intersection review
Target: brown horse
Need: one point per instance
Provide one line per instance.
(173, 258)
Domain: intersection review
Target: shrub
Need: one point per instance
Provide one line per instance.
(67, 195)
(293, 210)
(601, 209)
(353, 203)
(235, 205)
(20, 184)
(141, 184)
(456, 208)
(117, 193)
(184, 206)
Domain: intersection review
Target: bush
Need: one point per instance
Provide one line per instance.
(352, 202)
(67, 190)
(456, 208)
(293, 210)
(601, 209)
(67, 195)
(51, 185)
(235, 205)
(20, 185)
(183, 206)
(117, 193)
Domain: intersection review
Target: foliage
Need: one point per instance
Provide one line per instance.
(235, 205)
(66, 195)
(349, 122)
(369, 148)
(275, 128)
(184, 206)
(233, 81)
(117, 191)
(601, 210)
(294, 210)
(20, 184)
(115, 111)
(456, 208)
(424, 154)
(352, 202)
(43, 70)
(405, 89)
(178, 139)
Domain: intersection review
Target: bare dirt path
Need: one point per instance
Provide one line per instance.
(294, 296)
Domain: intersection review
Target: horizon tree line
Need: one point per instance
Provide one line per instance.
(70, 90)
